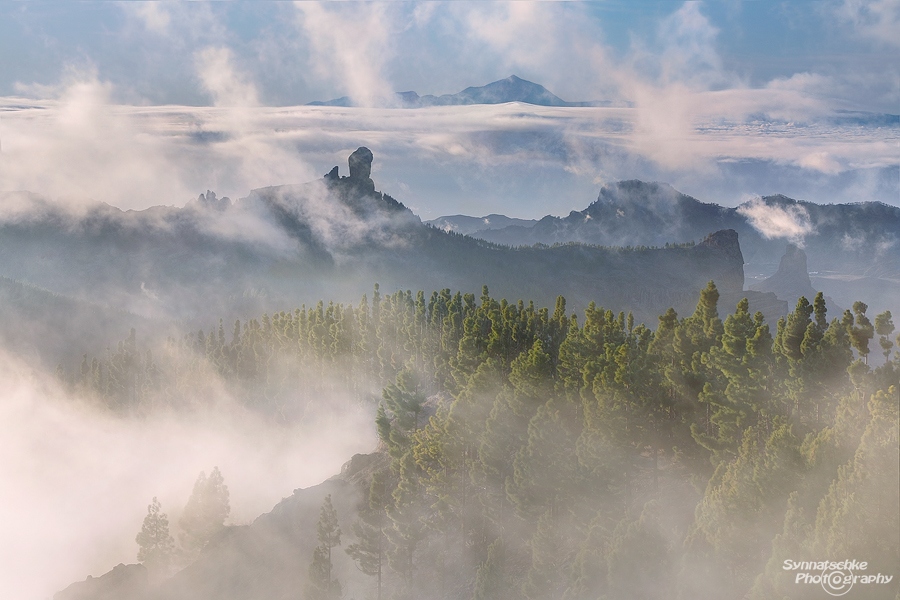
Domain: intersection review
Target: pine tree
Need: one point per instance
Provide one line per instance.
(863, 331)
(399, 419)
(490, 579)
(639, 564)
(205, 513)
(322, 586)
(790, 544)
(156, 546)
(859, 515)
(546, 577)
(884, 327)
(370, 551)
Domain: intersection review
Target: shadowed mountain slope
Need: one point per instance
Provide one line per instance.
(848, 245)
(285, 245)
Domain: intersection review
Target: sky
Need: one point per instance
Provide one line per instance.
(145, 103)
(139, 104)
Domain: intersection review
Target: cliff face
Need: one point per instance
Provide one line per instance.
(724, 244)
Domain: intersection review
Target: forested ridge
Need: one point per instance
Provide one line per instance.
(544, 454)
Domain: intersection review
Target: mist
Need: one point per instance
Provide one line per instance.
(441, 160)
(77, 478)
(181, 287)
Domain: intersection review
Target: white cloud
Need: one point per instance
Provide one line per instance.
(772, 221)
(689, 54)
(180, 23)
(669, 78)
(351, 46)
(878, 20)
(154, 15)
(559, 41)
(81, 147)
(821, 161)
(509, 155)
(220, 77)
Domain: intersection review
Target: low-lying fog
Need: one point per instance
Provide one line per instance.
(76, 481)
(518, 159)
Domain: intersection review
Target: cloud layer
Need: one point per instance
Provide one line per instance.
(522, 160)
(692, 120)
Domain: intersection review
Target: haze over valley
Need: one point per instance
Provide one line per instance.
(457, 301)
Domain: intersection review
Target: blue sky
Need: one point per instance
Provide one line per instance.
(145, 48)
(727, 99)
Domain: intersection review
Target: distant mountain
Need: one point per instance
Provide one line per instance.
(511, 89)
(468, 225)
(334, 238)
(853, 249)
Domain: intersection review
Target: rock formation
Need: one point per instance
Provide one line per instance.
(725, 243)
(361, 164)
(360, 180)
(792, 278)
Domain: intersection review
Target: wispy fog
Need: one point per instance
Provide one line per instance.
(77, 480)
(517, 159)
(789, 222)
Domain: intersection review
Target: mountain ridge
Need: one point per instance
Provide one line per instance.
(511, 89)
(336, 236)
(859, 241)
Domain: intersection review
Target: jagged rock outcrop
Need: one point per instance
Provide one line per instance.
(209, 200)
(358, 189)
(124, 582)
(792, 278)
(360, 179)
(361, 164)
(853, 249)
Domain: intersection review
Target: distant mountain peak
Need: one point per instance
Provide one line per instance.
(510, 89)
